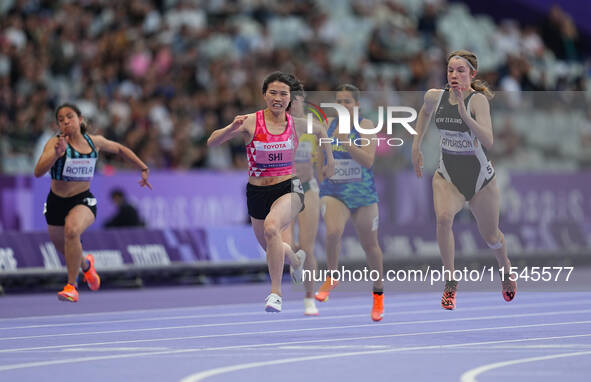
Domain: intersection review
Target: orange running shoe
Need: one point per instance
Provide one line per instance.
(448, 300)
(90, 276)
(377, 311)
(509, 287)
(328, 285)
(69, 293)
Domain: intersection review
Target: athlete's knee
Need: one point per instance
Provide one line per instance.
(495, 240)
(371, 248)
(333, 233)
(71, 232)
(271, 228)
(445, 220)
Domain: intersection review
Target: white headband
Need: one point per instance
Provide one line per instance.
(466, 60)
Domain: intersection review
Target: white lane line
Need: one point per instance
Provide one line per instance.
(348, 300)
(166, 318)
(115, 349)
(211, 325)
(332, 347)
(547, 346)
(473, 296)
(132, 311)
(284, 331)
(259, 312)
(470, 375)
(344, 339)
(200, 376)
(183, 327)
(180, 351)
(447, 320)
(156, 310)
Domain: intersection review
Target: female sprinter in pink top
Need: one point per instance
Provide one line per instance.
(274, 195)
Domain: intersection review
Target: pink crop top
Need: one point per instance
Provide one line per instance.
(271, 154)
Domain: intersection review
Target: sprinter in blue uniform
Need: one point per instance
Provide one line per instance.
(351, 193)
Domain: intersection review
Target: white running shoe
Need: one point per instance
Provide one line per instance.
(273, 303)
(297, 274)
(310, 307)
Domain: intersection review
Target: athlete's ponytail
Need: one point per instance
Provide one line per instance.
(482, 87)
(472, 61)
(296, 89)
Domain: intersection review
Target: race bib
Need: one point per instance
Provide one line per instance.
(346, 171)
(273, 154)
(457, 142)
(79, 169)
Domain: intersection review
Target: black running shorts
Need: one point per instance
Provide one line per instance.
(56, 208)
(259, 199)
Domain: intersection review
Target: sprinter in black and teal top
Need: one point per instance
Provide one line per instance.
(462, 115)
(70, 207)
(76, 166)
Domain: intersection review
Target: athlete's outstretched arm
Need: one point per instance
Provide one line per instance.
(240, 125)
(53, 150)
(113, 147)
(320, 132)
(422, 125)
(363, 155)
(482, 125)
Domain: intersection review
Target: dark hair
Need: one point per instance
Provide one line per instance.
(117, 192)
(296, 88)
(83, 126)
(477, 85)
(277, 76)
(354, 90)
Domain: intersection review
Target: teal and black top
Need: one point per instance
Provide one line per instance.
(75, 166)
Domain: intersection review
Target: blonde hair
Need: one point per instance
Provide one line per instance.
(472, 60)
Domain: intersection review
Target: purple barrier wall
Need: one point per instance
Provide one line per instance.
(539, 212)
(549, 212)
(202, 199)
(16, 207)
(114, 249)
(525, 198)
(179, 200)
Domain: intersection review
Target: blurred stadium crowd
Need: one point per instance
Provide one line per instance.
(160, 75)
